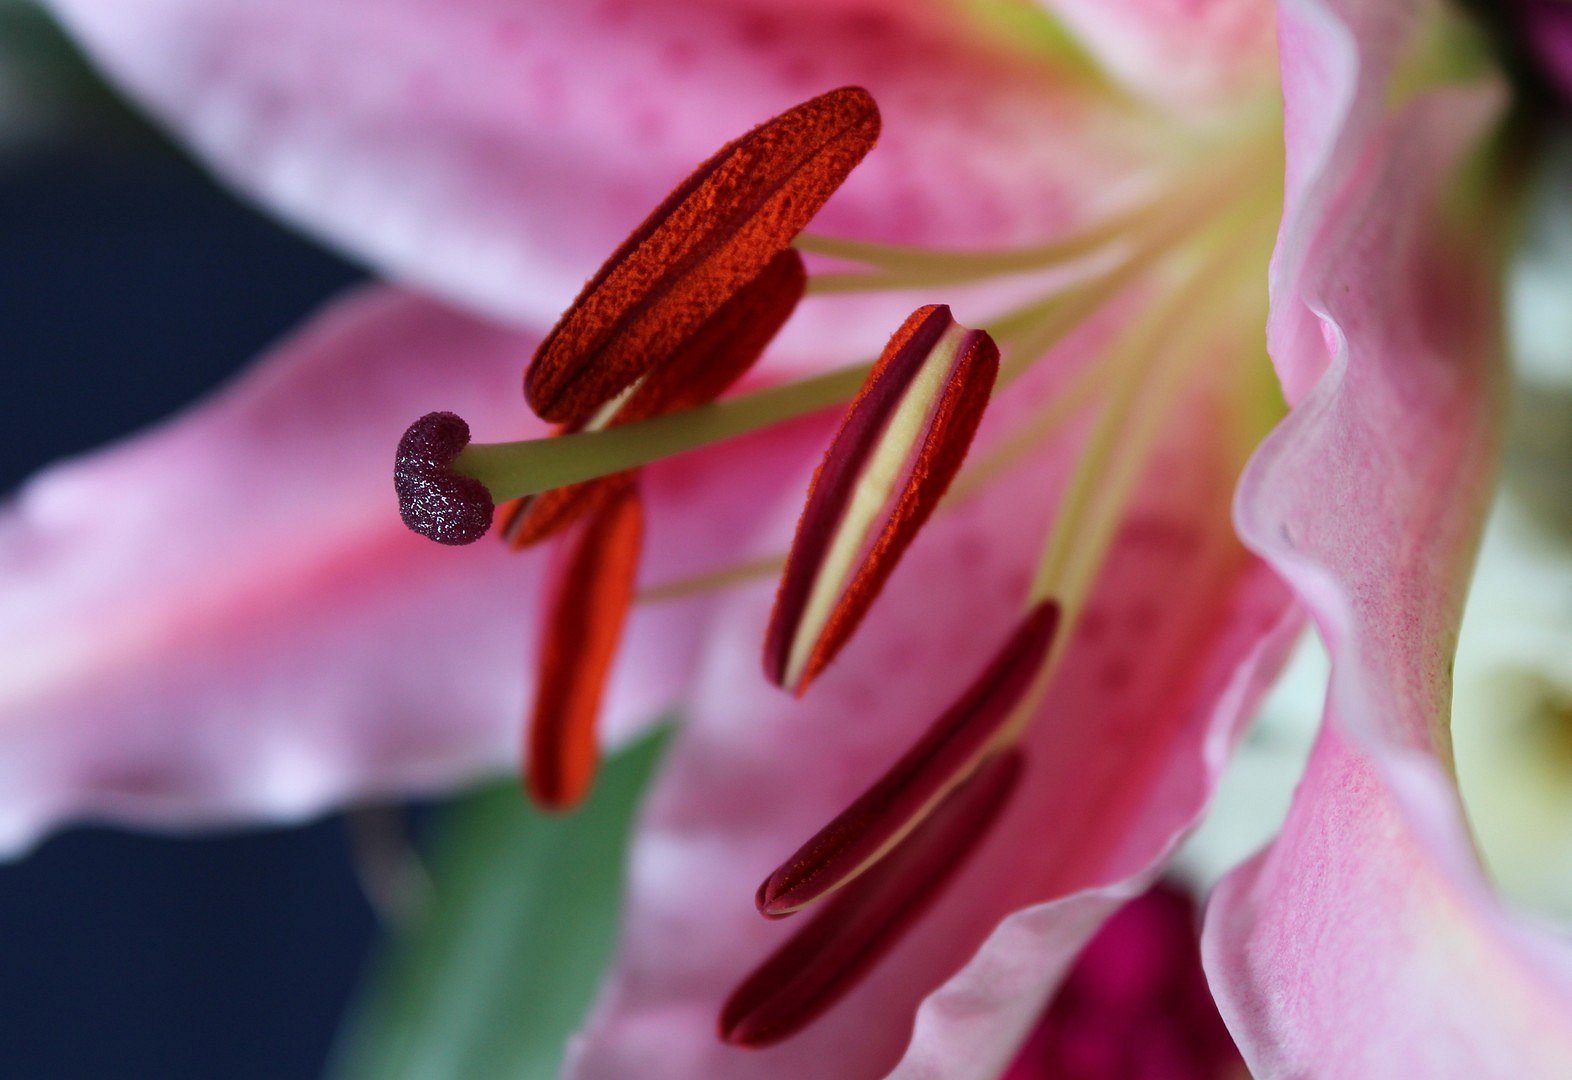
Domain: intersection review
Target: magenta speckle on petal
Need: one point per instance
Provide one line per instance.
(434, 500)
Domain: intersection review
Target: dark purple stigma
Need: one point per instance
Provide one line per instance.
(433, 500)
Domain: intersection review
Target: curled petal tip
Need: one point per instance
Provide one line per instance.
(824, 960)
(433, 499)
(900, 445)
(711, 236)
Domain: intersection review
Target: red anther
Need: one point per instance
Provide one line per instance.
(830, 955)
(897, 450)
(590, 596)
(433, 500)
(896, 804)
(528, 521)
(718, 354)
(710, 237)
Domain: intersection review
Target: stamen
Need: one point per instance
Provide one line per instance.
(592, 591)
(711, 236)
(895, 454)
(433, 499)
(830, 955)
(718, 354)
(948, 752)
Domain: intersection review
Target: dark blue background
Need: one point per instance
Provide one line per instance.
(129, 285)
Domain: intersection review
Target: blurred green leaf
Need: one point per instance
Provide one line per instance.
(500, 967)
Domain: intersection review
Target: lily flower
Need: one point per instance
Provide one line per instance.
(1020, 685)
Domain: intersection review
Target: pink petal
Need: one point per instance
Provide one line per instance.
(1335, 91)
(1366, 941)
(1188, 54)
(1169, 656)
(496, 154)
(224, 618)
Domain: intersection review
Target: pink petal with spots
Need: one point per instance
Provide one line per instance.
(225, 619)
(497, 152)
(1366, 940)
(1174, 647)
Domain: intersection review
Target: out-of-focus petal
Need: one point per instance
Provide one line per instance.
(1170, 654)
(225, 619)
(495, 153)
(1513, 683)
(1189, 54)
(1366, 940)
(1547, 26)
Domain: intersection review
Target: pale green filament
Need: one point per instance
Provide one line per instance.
(1109, 466)
(1158, 223)
(714, 580)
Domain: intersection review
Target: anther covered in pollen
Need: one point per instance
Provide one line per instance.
(897, 450)
(591, 594)
(705, 366)
(433, 499)
(716, 232)
(950, 751)
(828, 956)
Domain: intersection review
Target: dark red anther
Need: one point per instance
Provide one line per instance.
(433, 499)
(946, 754)
(589, 598)
(900, 445)
(853, 931)
(711, 236)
